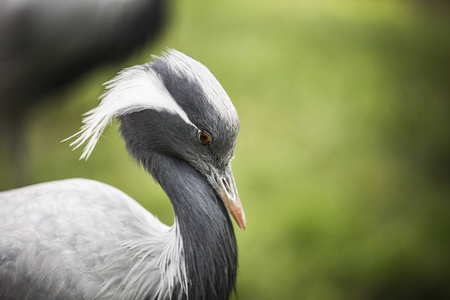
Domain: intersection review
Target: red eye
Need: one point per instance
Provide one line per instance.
(204, 138)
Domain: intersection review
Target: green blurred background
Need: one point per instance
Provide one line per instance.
(343, 158)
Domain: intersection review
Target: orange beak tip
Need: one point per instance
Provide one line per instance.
(237, 212)
(243, 227)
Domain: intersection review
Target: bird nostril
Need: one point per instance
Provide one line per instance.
(226, 185)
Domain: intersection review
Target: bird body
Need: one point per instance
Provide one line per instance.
(81, 239)
(51, 252)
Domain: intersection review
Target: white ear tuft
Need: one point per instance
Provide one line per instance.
(132, 90)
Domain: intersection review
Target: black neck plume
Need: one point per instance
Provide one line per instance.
(209, 242)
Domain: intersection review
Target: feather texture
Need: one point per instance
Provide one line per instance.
(106, 246)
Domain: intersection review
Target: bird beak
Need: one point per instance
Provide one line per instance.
(225, 187)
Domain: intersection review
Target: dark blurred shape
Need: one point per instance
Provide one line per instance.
(46, 44)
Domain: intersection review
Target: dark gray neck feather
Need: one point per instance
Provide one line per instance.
(208, 237)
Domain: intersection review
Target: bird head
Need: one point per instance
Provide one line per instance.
(172, 106)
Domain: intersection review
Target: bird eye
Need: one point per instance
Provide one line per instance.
(204, 137)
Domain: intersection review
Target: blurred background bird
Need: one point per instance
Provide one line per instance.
(47, 44)
(343, 153)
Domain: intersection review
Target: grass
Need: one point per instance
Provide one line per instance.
(342, 161)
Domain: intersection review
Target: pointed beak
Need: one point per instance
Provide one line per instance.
(225, 187)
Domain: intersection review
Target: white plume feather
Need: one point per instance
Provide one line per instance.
(132, 90)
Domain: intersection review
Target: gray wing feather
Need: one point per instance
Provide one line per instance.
(74, 239)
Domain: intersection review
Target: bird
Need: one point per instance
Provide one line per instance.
(83, 239)
(47, 44)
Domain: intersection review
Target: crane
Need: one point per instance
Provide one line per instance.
(82, 239)
(47, 44)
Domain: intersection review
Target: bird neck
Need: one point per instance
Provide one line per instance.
(209, 243)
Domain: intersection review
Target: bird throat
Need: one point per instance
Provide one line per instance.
(209, 243)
